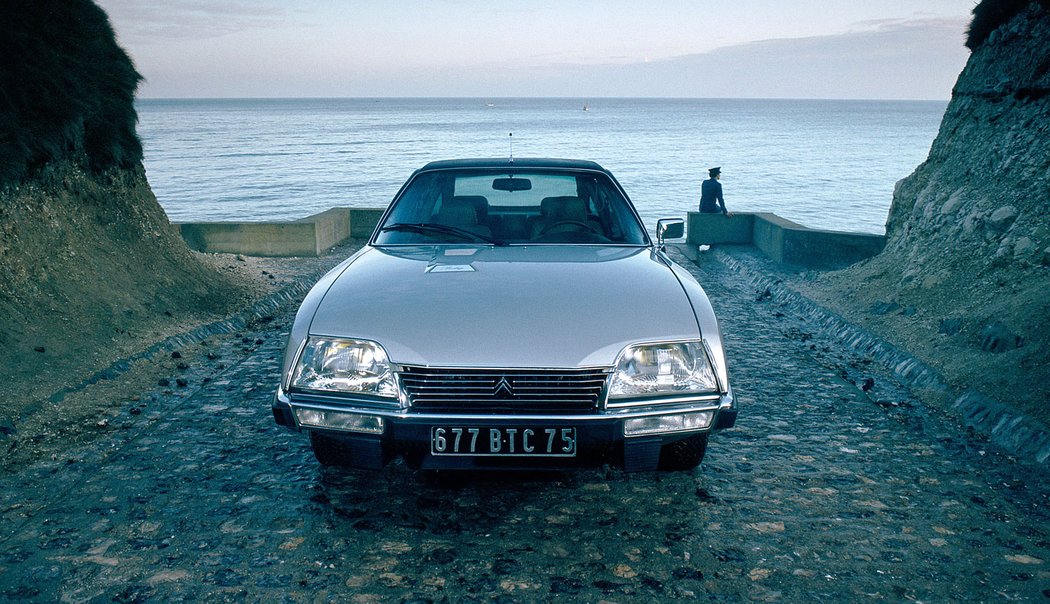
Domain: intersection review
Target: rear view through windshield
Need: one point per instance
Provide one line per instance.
(453, 206)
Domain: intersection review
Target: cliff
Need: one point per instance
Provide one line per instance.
(90, 268)
(963, 280)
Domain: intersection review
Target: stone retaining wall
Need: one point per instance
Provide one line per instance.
(783, 240)
(310, 236)
(1007, 427)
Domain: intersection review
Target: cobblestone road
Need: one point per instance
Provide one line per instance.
(823, 492)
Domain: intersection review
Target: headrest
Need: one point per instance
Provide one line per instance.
(457, 213)
(479, 202)
(564, 207)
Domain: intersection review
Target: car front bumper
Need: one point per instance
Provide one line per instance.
(374, 435)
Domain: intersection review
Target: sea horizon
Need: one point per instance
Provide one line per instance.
(555, 97)
(828, 164)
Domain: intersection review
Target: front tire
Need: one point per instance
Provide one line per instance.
(684, 454)
(329, 451)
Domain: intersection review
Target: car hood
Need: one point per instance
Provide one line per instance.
(507, 307)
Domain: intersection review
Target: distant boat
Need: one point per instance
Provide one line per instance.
(490, 104)
(586, 107)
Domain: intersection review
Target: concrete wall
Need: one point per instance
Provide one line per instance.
(261, 239)
(311, 236)
(782, 240)
(715, 228)
(363, 221)
(330, 227)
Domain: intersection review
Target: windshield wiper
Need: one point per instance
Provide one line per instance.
(433, 227)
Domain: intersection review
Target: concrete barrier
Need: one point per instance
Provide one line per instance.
(363, 221)
(711, 229)
(331, 227)
(310, 236)
(782, 240)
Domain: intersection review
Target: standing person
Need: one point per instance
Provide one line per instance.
(711, 200)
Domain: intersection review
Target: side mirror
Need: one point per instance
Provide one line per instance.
(669, 228)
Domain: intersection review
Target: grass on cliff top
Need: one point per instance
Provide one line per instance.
(67, 89)
(989, 15)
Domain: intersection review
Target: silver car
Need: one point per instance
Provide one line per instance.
(508, 313)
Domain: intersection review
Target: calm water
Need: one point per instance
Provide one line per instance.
(825, 164)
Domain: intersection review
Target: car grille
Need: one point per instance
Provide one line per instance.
(501, 391)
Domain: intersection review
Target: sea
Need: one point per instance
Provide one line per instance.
(828, 164)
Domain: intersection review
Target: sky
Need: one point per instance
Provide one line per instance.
(840, 49)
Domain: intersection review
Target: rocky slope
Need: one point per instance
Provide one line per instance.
(964, 281)
(90, 268)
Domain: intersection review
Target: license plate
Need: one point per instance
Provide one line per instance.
(503, 441)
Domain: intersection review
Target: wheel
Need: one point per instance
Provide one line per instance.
(329, 451)
(683, 454)
(580, 224)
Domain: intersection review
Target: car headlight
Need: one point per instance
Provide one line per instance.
(336, 364)
(671, 367)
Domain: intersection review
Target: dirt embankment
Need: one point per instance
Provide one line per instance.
(963, 281)
(90, 268)
(91, 271)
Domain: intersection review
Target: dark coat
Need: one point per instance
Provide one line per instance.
(711, 200)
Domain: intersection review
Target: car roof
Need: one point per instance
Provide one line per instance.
(506, 163)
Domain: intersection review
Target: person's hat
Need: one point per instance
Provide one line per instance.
(715, 171)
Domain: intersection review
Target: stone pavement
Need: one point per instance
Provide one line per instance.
(836, 485)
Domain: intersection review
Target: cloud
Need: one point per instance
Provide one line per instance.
(157, 22)
(245, 48)
(889, 59)
(895, 60)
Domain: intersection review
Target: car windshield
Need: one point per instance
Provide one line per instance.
(519, 207)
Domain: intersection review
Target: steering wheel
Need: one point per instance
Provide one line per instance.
(577, 223)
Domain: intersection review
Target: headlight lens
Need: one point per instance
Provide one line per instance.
(674, 367)
(358, 366)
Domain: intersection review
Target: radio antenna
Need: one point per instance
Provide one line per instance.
(511, 147)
